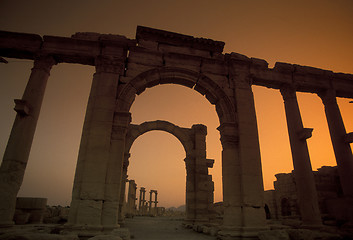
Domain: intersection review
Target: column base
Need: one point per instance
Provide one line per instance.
(240, 233)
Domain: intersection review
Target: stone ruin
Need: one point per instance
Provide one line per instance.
(125, 68)
(282, 202)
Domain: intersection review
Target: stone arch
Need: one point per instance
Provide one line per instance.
(199, 185)
(134, 131)
(164, 75)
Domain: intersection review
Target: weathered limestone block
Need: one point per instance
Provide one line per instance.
(343, 84)
(180, 76)
(166, 48)
(182, 61)
(148, 44)
(109, 211)
(259, 63)
(310, 79)
(214, 66)
(71, 50)
(134, 69)
(90, 213)
(21, 217)
(19, 45)
(221, 80)
(142, 56)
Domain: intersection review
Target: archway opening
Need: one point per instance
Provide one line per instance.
(183, 107)
(156, 163)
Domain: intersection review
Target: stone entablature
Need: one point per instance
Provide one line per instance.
(161, 48)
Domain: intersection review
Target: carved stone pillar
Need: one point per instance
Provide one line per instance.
(142, 200)
(115, 178)
(190, 188)
(123, 188)
(131, 200)
(155, 200)
(150, 203)
(200, 173)
(231, 176)
(304, 178)
(19, 145)
(340, 141)
(94, 192)
(242, 173)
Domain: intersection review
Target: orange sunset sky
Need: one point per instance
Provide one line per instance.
(313, 33)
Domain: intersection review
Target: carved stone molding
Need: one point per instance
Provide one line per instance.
(200, 129)
(105, 64)
(229, 135)
(44, 62)
(305, 133)
(288, 92)
(328, 96)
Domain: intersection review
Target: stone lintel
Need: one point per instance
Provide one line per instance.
(306, 79)
(21, 107)
(19, 45)
(114, 39)
(349, 137)
(305, 133)
(71, 50)
(177, 39)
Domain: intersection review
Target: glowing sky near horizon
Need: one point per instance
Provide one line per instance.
(313, 33)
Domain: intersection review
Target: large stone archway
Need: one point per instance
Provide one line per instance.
(125, 68)
(199, 184)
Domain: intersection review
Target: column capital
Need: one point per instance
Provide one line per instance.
(229, 135)
(288, 92)
(199, 128)
(108, 64)
(44, 62)
(328, 96)
(305, 133)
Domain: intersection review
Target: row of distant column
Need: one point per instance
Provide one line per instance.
(307, 194)
(146, 207)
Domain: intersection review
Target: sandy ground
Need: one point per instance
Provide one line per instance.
(158, 228)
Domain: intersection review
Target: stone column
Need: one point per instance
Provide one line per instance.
(190, 187)
(150, 203)
(201, 173)
(340, 141)
(115, 177)
(19, 145)
(243, 190)
(305, 182)
(90, 195)
(155, 199)
(142, 200)
(231, 170)
(131, 200)
(123, 188)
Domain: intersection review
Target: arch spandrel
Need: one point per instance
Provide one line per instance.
(182, 134)
(163, 75)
